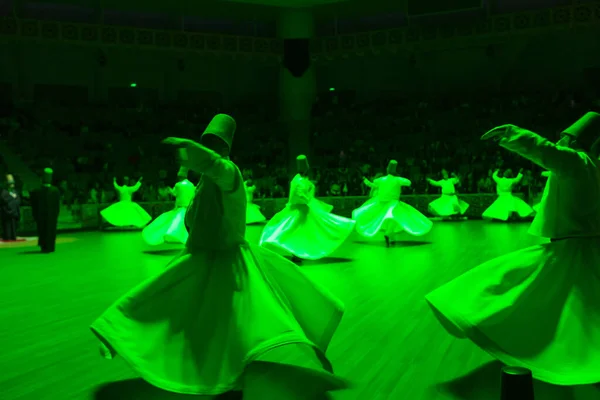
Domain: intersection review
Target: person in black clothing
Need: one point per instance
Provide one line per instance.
(10, 209)
(45, 204)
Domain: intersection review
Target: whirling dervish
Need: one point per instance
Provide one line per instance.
(170, 226)
(539, 308)
(536, 208)
(448, 206)
(385, 214)
(253, 214)
(305, 228)
(506, 204)
(125, 212)
(225, 314)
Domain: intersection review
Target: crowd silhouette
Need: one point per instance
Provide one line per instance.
(89, 145)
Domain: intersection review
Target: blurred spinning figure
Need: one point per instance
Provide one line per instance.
(170, 226)
(125, 212)
(506, 204)
(305, 228)
(539, 308)
(225, 314)
(449, 205)
(385, 214)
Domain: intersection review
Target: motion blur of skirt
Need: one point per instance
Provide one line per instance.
(390, 217)
(537, 308)
(169, 227)
(505, 205)
(195, 328)
(306, 231)
(448, 205)
(126, 213)
(253, 214)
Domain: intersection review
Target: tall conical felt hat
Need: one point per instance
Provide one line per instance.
(302, 163)
(183, 172)
(586, 130)
(223, 126)
(391, 168)
(47, 177)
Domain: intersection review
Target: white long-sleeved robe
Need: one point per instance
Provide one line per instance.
(183, 191)
(506, 204)
(539, 308)
(306, 228)
(125, 212)
(126, 192)
(448, 204)
(221, 304)
(386, 214)
(169, 227)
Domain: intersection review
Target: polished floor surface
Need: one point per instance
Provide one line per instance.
(389, 343)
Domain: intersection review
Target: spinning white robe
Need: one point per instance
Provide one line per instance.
(170, 227)
(126, 212)
(306, 228)
(449, 204)
(384, 213)
(253, 214)
(506, 204)
(539, 308)
(221, 304)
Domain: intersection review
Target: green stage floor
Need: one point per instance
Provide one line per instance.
(389, 343)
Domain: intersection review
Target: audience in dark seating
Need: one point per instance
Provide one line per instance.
(87, 147)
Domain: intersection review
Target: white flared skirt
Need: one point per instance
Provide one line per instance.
(537, 308)
(306, 231)
(448, 205)
(195, 327)
(167, 228)
(253, 214)
(389, 218)
(505, 205)
(126, 213)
